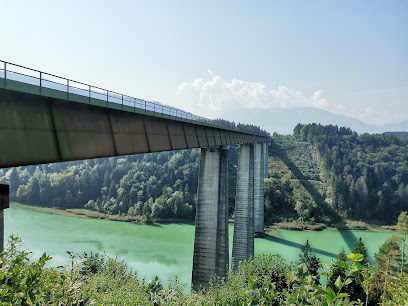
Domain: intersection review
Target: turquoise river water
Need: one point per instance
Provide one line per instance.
(165, 250)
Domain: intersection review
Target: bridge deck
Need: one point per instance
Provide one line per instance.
(44, 125)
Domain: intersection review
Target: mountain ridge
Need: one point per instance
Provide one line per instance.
(282, 120)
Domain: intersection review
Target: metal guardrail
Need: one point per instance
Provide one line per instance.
(47, 80)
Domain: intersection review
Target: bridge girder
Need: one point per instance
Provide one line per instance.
(42, 126)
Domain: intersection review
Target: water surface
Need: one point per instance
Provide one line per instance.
(164, 250)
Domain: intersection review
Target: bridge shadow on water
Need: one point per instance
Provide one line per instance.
(298, 245)
(347, 235)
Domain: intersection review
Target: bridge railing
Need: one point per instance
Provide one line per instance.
(31, 76)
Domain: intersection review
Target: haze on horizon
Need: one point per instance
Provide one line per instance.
(211, 57)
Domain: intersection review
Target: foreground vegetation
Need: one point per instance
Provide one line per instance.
(94, 279)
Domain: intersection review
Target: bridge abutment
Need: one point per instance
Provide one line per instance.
(211, 247)
(243, 244)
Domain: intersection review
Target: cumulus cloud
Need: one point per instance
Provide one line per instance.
(214, 96)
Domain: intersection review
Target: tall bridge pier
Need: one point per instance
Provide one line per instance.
(243, 243)
(259, 175)
(211, 247)
(211, 252)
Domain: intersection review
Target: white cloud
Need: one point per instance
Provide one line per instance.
(213, 97)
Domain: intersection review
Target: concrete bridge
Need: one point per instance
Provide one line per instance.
(45, 119)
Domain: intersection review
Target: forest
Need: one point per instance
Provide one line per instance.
(366, 175)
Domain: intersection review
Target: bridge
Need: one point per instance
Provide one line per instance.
(45, 118)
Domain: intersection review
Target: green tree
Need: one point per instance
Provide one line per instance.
(402, 230)
(14, 182)
(360, 248)
(308, 257)
(342, 255)
(336, 269)
(387, 262)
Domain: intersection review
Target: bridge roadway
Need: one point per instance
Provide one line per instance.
(47, 119)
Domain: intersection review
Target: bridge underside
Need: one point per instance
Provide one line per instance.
(38, 128)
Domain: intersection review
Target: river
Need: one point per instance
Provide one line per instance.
(165, 250)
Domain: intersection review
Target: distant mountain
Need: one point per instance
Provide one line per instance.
(283, 120)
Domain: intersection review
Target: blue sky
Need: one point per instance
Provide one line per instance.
(348, 57)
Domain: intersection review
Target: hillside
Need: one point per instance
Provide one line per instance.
(282, 120)
(295, 188)
(367, 175)
(326, 173)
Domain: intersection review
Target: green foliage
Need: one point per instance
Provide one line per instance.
(91, 280)
(398, 291)
(23, 282)
(386, 258)
(387, 261)
(309, 259)
(159, 185)
(295, 192)
(305, 288)
(95, 279)
(402, 230)
(360, 248)
(367, 175)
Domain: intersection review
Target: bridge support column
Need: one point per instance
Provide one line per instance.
(211, 247)
(4, 203)
(243, 244)
(266, 156)
(259, 174)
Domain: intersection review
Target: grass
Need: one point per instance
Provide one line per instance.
(294, 226)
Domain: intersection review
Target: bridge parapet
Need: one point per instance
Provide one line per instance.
(32, 81)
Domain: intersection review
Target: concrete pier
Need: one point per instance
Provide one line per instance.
(211, 247)
(259, 174)
(4, 203)
(266, 156)
(243, 244)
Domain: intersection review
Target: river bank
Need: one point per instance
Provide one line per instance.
(345, 225)
(90, 214)
(292, 226)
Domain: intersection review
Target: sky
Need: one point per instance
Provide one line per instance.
(209, 57)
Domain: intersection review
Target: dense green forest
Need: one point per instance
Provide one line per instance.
(151, 185)
(294, 191)
(366, 175)
(320, 174)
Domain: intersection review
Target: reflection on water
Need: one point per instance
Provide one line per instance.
(164, 250)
